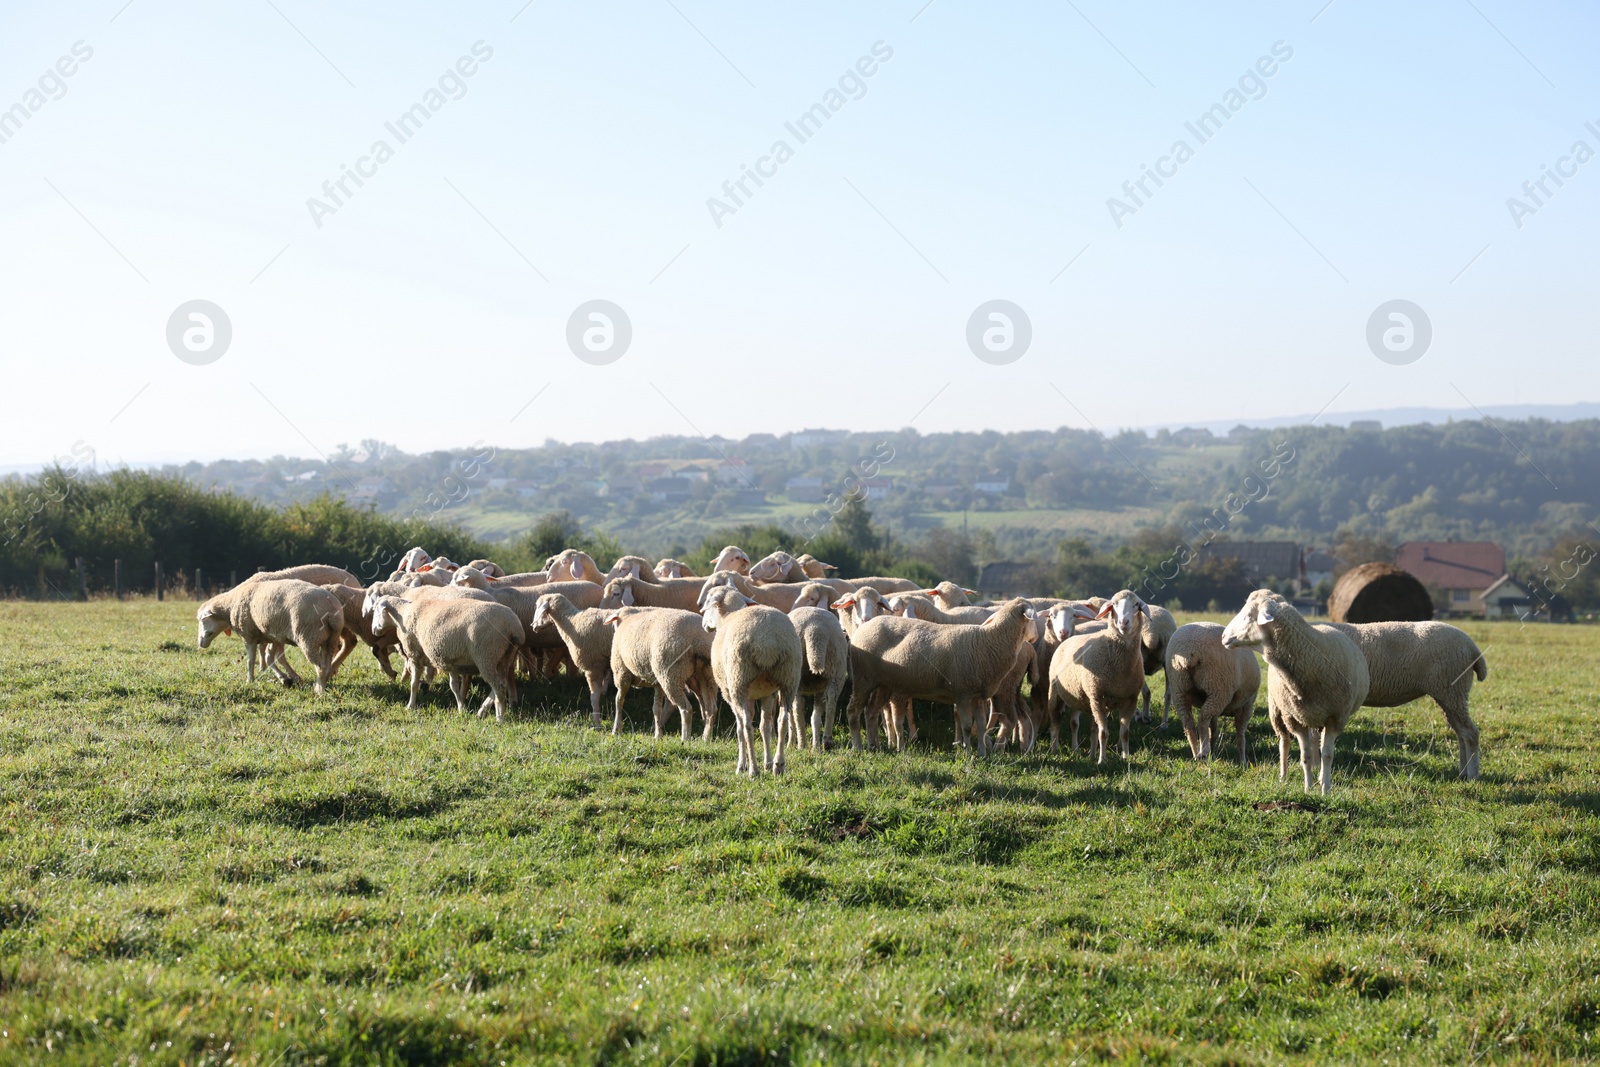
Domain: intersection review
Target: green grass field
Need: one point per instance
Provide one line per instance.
(195, 871)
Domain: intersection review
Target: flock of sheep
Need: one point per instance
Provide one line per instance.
(766, 635)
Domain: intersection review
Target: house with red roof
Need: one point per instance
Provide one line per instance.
(1460, 572)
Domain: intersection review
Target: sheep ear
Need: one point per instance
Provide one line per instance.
(748, 600)
(613, 618)
(970, 592)
(1103, 612)
(575, 568)
(845, 602)
(928, 592)
(627, 596)
(633, 569)
(425, 567)
(1265, 614)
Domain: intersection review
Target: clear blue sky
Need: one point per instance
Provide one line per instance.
(976, 163)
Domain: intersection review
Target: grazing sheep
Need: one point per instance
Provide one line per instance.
(1207, 681)
(826, 667)
(358, 630)
(960, 665)
(1410, 660)
(731, 558)
(1318, 679)
(1101, 673)
(571, 564)
(671, 568)
(668, 650)
(459, 636)
(757, 660)
(279, 612)
(680, 593)
(587, 636)
(1157, 631)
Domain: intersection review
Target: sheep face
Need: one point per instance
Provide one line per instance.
(213, 621)
(570, 564)
(731, 558)
(771, 568)
(908, 607)
(866, 603)
(542, 610)
(1063, 619)
(722, 601)
(1123, 609)
(471, 577)
(618, 593)
(671, 568)
(814, 595)
(1255, 621)
(382, 610)
(813, 566)
(718, 580)
(950, 595)
(415, 559)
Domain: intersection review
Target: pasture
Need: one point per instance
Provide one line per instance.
(196, 871)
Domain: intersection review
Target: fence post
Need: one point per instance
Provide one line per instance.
(116, 577)
(83, 581)
(198, 595)
(159, 594)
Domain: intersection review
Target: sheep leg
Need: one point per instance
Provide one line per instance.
(710, 709)
(1191, 729)
(1143, 714)
(764, 708)
(279, 662)
(1239, 722)
(1308, 741)
(1123, 747)
(658, 708)
(747, 713)
(678, 694)
(623, 685)
(788, 709)
(1210, 712)
(416, 683)
(1466, 731)
(853, 714)
(347, 644)
(1329, 737)
(381, 654)
(1073, 718)
(249, 661)
(598, 684)
(458, 688)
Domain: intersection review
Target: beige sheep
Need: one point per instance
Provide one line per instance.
(814, 567)
(680, 593)
(315, 573)
(1410, 660)
(731, 558)
(487, 567)
(1158, 629)
(460, 636)
(961, 665)
(358, 630)
(757, 660)
(572, 565)
(949, 595)
(1207, 681)
(1101, 673)
(826, 668)
(278, 612)
(1318, 678)
(898, 721)
(668, 650)
(587, 636)
(631, 567)
(779, 596)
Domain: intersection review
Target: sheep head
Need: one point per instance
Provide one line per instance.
(773, 567)
(1124, 610)
(865, 602)
(911, 606)
(631, 567)
(618, 593)
(471, 577)
(545, 608)
(571, 564)
(1262, 613)
(489, 569)
(731, 558)
(415, 559)
(1063, 619)
(723, 580)
(213, 620)
(813, 566)
(384, 611)
(815, 595)
(721, 601)
(671, 568)
(950, 595)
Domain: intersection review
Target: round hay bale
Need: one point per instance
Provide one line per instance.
(1379, 592)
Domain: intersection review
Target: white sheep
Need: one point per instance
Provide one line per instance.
(814, 567)
(587, 636)
(961, 665)
(1317, 681)
(671, 568)
(280, 612)
(1207, 681)
(757, 660)
(1101, 673)
(1158, 629)
(571, 564)
(826, 667)
(358, 630)
(460, 636)
(731, 558)
(668, 650)
(680, 593)
(898, 721)
(1409, 660)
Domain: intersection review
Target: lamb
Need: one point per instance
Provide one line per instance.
(1101, 673)
(671, 568)
(1318, 679)
(281, 612)
(1409, 660)
(680, 593)
(461, 636)
(960, 665)
(731, 558)
(670, 651)
(358, 630)
(1222, 681)
(1157, 632)
(572, 564)
(587, 636)
(826, 666)
(757, 660)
